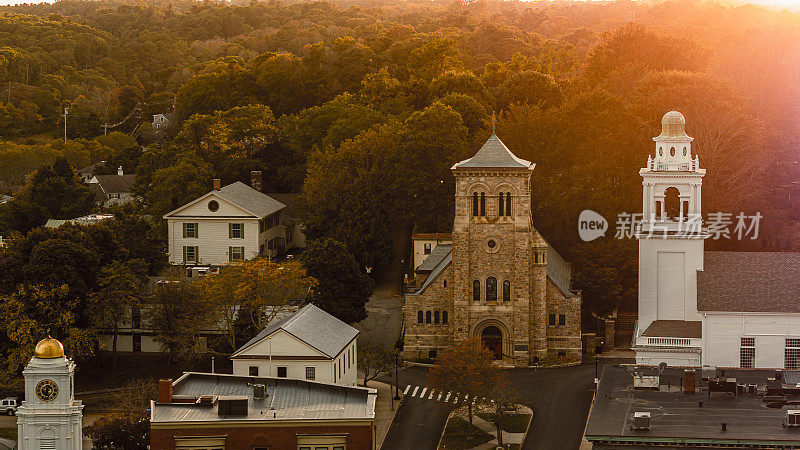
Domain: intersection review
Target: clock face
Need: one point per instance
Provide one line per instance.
(47, 390)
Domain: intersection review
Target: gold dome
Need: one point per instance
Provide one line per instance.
(673, 125)
(49, 348)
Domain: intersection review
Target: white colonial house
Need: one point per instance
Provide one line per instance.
(698, 308)
(231, 223)
(307, 345)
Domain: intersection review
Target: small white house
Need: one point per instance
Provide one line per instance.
(113, 189)
(307, 345)
(161, 121)
(232, 223)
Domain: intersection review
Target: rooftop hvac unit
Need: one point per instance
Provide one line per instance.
(641, 421)
(646, 382)
(259, 391)
(793, 418)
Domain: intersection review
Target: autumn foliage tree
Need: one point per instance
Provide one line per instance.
(253, 293)
(466, 368)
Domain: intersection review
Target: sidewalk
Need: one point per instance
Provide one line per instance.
(488, 428)
(384, 414)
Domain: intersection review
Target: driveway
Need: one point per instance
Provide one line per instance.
(382, 325)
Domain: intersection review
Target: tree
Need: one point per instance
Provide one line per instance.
(250, 294)
(111, 432)
(34, 311)
(375, 360)
(118, 290)
(466, 368)
(503, 400)
(178, 314)
(343, 289)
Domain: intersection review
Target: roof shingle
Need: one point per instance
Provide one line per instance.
(749, 282)
(494, 154)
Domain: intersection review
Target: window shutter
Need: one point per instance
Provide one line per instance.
(241, 231)
(197, 254)
(184, 254)
(197, 230)
(184, 230)
(230, 254)
(230, 230)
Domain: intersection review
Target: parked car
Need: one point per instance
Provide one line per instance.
(9, 406)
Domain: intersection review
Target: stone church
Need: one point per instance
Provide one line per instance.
(498, 279)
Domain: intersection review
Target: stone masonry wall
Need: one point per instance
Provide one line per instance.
(420, 338)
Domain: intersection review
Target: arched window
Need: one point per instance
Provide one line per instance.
(672, 151)
(419, 316)
(475, 204)
(500, 209)
(476, 291)
(536, 257)
(427, 316)
(508, 204)
(672, 203)
(483, 204)
(491, 289)
(436, 317)
(506, 291)
(444, 317)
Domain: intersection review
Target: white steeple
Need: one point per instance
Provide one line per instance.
(50, 417)
(672, 179)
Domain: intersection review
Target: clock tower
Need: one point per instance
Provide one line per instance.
(50, 417)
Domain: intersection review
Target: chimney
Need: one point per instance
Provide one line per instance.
(165, 391)
(119, 171)
(217, 184)
(255, 180)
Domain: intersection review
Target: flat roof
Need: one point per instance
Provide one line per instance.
(286, 399)
(677, 418)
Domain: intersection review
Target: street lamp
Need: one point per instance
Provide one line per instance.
(396, 377)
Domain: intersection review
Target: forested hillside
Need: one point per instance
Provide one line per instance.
(364, 106)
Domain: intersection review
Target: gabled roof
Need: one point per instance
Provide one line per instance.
(90, 169)
(116, 183)
(438, 254)
(313, 326)
(494, 154)
(243, 196)
(749, 282)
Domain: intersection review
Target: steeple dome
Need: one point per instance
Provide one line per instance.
(673, 126)
(48, 348)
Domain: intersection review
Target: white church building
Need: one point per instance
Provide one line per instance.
(698, 308)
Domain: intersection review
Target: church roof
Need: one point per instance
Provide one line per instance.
(749, 282)
(559, 271)
(313, 326)
(438, 254)
(675, 328)
(494, 154)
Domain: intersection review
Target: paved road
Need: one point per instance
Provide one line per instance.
(559, 397)
(382, 325)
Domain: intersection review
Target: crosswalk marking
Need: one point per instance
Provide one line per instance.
(439, 398)
(407, 388)
(422, 394)
(415, 391)
(455, 400)
(430, 397)
(426, 393)
(447, 398)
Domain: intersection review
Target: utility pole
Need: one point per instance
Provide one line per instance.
(105, 128)
(66, 110)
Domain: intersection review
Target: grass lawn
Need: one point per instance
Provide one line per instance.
(513, 423)
(457, 436)
(8, 433)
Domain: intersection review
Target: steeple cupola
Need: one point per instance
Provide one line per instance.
(673, 150)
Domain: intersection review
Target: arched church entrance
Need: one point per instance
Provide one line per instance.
(492, 338)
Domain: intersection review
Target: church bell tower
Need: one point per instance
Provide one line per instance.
(671, 237)
(50, 417)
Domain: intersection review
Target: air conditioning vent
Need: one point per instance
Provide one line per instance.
(641, 421)
(259, 391)
(793, 418)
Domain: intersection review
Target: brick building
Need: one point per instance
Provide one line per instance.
(218, 411)
(499, 279)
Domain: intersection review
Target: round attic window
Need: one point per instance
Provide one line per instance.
(213, 205)
(491, 243)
